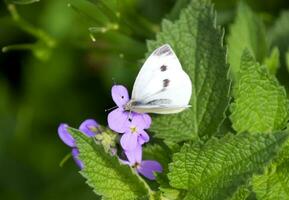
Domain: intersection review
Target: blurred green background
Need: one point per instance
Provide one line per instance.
(58, 62)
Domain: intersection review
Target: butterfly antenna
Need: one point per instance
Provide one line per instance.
(109, 109)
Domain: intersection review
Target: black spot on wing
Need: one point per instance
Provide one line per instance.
(163, 68)
(166, 83)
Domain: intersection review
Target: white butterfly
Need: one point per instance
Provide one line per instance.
(161, 85)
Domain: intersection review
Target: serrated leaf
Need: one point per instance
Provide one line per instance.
(241, 194)
(273, 61)
(273, 186)
(283, 156)
(274, 183)
(216, 169)
(105, 174)
(248, 31)
(198, 44)
(260, 103)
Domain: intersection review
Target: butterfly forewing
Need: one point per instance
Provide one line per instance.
(161, 85)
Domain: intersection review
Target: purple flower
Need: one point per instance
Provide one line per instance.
(88, 127)
(144, 167)
(75, 154)
(134, 134)
(65, 135)
(118, 119)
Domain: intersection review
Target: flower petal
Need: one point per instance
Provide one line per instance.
(119, 95)
(148, 167)
(118, 120)
(129, 141)
(65, 136)
(134, 156)
(142, 121)
(89, 127)
(143, 137)
(147, 119)
(75, 154)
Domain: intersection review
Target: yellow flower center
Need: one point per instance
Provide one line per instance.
(133, 129)
(93, 129)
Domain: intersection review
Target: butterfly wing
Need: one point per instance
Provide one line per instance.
(161, 85)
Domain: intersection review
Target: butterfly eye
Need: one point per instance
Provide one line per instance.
(166, 83)
(163, 68)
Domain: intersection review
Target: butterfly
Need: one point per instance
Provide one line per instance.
(161, 86)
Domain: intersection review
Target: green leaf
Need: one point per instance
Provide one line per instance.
(241, 194)
(278, 35)
(273, 62)
(248, 31)
(260, 103)
(272, 186)
(198, 44)
(216, 169)
(178, 7)
(105, 174)
(171, 194)
(283, 156)
(161, 153)
(274, 183)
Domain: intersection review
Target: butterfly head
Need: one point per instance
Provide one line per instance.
(131, 105)
(128, 106)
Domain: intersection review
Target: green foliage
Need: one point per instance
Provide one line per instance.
(278, 34)
(278, 37)
(274, 183)
(22, 2)
(241, 194)
(105, 174)
(287, 60)
(216, 169)
(178, 7)
(198, 44)
(161, 153)
(80, 45)
(260, 103)
(273, 62)
(248, 31)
